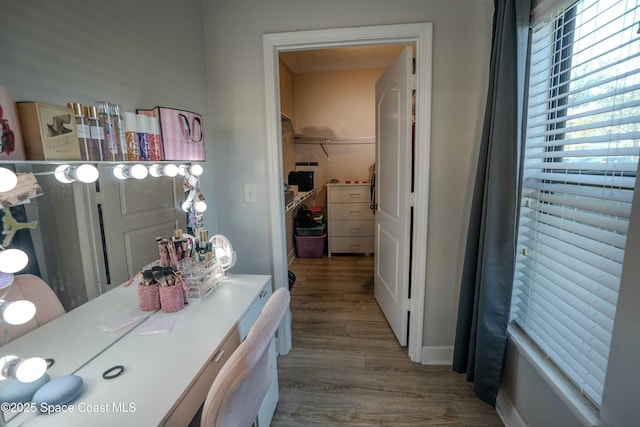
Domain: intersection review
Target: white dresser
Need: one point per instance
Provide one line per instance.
(350, 220)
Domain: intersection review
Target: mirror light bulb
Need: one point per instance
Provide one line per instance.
(61, 174)
(196, 170)
(170, 170)
(139, 171)
(155, 171)
(31, 369)
(8, 180)
(118, 172)
(201, 206)
(18, 312)
(6, 363)
(13, 260)
(87, 173)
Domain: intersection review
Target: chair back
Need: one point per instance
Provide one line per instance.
(241, 385)
(36, 290)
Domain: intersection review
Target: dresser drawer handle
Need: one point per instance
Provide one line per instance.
(263, 293)
(218, 356)
(354, 196)
(355, 247)
(354, 230)
(354, 213)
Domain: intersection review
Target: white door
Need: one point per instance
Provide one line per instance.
(134, 213)
(393, 188)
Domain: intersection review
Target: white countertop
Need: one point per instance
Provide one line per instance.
(158, 368)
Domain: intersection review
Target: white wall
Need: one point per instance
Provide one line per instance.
(462, 34)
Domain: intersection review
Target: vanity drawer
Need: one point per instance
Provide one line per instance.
(347, 245)
(254, 310)
(185, 409)
(350, 194)
(359, 227)
(351, 211)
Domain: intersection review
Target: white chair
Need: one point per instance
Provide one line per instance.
(241, 385)
(36, 290)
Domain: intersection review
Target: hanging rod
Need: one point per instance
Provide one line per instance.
(321, 140)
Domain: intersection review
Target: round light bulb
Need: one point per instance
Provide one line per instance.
(6, 279)
(155, 171)
(196, 170)
(118, 172)
(182, 170)
(61, 174)
(4, 361)
(170, 170)
(8, 180)
(19, 312)
(201, 206)
(87, 173)
(13, 260)
(31, 369)
(139, 171)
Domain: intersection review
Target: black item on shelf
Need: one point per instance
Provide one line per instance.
(304, 218)
(303, 179)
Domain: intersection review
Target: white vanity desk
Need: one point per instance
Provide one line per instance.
(167, 376)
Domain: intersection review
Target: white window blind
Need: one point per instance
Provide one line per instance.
(581, 160)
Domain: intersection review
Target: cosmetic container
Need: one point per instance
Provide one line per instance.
(143, 137)
(97, 133)
(110, 145)
(82, 129)
(131, 136)
(115, 111)
(155, 140)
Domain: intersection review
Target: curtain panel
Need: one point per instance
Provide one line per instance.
(487, 278)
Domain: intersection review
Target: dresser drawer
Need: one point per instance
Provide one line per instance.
(347, 245)
(350, 194)
(357, 227)
(350, 211)
(254, 311)
(185, 409)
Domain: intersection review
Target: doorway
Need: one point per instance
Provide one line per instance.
(421, 36)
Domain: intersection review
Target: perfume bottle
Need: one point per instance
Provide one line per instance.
(155, 141)
(143, 137)
(131, 136)
(115, 111)
(110, 145)
(82, 129)
(97, 133)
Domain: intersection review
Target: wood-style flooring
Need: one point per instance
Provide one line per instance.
(346, 367)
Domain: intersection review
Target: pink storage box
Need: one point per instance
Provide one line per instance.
(182, 133)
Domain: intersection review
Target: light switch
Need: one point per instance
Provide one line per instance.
(249, 193)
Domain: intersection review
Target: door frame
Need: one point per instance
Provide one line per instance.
(422, 35)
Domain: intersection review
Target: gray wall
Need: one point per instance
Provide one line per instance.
(462, 35)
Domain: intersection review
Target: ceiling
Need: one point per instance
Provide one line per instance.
(344, 58)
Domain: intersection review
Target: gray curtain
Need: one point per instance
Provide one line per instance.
(485, 293)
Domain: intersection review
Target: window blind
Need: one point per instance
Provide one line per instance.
(580, 164)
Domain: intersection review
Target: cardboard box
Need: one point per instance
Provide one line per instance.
(48, 131)
(11, 146)
(182, 133)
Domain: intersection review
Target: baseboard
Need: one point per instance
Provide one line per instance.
(508, 413)
(437, 355)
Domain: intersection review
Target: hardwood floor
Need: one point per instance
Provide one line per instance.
(346, 367)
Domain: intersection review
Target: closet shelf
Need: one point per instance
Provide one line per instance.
(301, 197)
(325, 142)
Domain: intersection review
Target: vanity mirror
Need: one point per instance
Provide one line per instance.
(83, 239)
